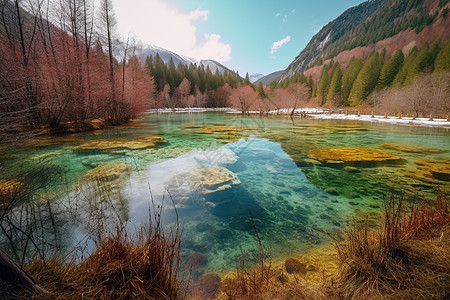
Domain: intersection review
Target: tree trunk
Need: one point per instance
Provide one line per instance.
(13, 276)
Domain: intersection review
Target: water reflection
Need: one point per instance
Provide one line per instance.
(216, 191)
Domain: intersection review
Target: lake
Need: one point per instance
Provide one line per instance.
(225, 174)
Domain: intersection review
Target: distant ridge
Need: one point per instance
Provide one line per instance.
(166, 55)
(268, 79)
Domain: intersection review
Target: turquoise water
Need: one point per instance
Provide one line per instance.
(222, 183)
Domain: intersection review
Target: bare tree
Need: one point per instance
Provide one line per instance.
(108, 21)
(301, 94)
(243, 97)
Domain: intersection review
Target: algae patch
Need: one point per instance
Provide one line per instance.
(139, 143)
(411, 148)
(343, 155)
(440, 170)
(9, 188)
(108, 172)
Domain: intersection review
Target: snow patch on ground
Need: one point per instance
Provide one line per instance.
(381, 119)
(189, 110)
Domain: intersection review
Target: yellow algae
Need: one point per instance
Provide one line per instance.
(421, 176)
(108, 172)
(46, 155)
(97, 124)
(352, 155)
(9, 187)
(411, 148)
(53, 140)
(212, 129)
(277, 136)
(139, 143)
(189, 126)
(339, 127)
(438, 169)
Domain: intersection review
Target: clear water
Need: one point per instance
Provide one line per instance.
(289, 196)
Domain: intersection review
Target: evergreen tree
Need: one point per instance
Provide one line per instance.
(401, 75)
(390, 69)
(350, 74)
(149, 64)
(323, 85)
(417, 65)
(247, 79)
(367, 79)
(335, 84)
(260, 91)
(443, 60)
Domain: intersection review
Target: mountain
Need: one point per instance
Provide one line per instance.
(399, 22)
(166, 55)
(268, 79)
(254, 77)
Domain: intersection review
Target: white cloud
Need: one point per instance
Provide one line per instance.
(213, 48)
(279, 43)
(156, 22)
(197, 14)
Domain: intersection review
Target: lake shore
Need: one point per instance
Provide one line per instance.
(320, 113)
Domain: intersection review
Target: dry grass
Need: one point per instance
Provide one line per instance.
(119, 269)
(408, 258)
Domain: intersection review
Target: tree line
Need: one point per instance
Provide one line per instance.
(188, 85)
(353, 86)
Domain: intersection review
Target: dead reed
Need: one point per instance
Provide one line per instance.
(408, 257)
(147, 267)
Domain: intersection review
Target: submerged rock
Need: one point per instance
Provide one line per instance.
(108, 172)
(213, 179)
(373, 205)
(208, 286)
(293, 266)
(198, 259)
(352, 169)
(202, 227)
(206, 180)
(343, 155)
(332, 191)
(139, 143)
(411, 148)
(223, 234)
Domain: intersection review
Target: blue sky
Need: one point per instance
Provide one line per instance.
(240, 34)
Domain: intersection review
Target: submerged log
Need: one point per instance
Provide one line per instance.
(14, 278)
